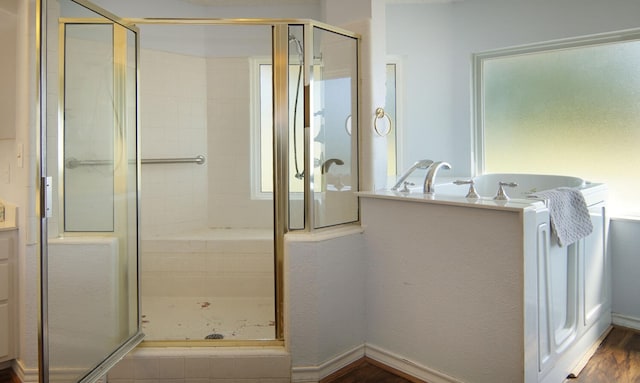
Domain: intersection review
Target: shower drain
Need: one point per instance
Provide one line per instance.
(214, 336)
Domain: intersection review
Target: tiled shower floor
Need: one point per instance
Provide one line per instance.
(195, 318)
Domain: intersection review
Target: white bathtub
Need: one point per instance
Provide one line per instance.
(527, 184)
(567, 289)
(486, 186)
(212, 281)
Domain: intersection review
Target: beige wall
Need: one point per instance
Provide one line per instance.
(8, 23)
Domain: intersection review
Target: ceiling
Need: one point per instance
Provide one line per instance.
(241, 3)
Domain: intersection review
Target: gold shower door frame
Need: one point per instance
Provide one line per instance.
(281, 46)
(281, 173)
(123, 169)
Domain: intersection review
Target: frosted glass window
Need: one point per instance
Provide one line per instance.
(570, 111)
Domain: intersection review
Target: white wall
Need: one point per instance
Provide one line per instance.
(625, 264)
(8, 24)
(436, 41)
(18, 179)
(325, 306)
(429, 296)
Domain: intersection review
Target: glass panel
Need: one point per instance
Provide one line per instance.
(296, 127)
(568, 112)
(265, 105)
(334, 146)
(130, 225)
(266, 128)
(208, 244)
(91, 151)
(88, 127)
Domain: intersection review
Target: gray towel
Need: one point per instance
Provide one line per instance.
(568, 213)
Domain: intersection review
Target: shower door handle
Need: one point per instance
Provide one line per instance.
(47, 191)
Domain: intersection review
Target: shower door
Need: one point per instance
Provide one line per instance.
(89, 232)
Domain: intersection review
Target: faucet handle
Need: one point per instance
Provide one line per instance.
(472, 193)
(501, 195)
(405, 189)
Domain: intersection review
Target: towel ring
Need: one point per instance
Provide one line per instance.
(347, 124)
(380, 114)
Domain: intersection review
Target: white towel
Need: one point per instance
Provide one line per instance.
(568, 213)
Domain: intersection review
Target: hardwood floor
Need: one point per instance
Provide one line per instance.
(617, 360)
(368, 370)
(7, 376)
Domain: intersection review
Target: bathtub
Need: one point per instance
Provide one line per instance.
(527, 184)
(216, 283)
(567, 297)
(486, 186)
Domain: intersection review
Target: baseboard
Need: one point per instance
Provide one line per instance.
(625, 321)
(314, 374)
(575, 371)
(406, 366)
(26, 375)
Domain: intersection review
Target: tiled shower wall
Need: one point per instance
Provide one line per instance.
(229, 115)
(190, 106)
(173, 99)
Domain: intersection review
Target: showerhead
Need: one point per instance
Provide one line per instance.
(293, 39)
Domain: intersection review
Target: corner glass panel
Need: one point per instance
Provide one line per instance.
(333, 117)
(296, 127)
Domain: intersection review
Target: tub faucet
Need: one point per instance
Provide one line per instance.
(422, 164)
(429, 180)
(327, 164)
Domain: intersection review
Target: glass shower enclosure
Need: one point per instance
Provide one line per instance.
(302, 162)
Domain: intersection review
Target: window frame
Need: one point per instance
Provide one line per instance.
(477, 88)
(478, 156)
(255, 106)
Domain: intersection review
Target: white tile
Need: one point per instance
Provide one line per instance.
(145, 368)
(258, 367)
(122, 370)
(196, 367)
(197, 380)
(171, 368)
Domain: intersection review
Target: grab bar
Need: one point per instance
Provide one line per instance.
(197, 160)
(73, 163)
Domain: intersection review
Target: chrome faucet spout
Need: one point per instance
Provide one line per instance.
(422, 164)
(429, 180)
(327, 164)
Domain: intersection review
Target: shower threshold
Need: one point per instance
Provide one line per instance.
(200, 318)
